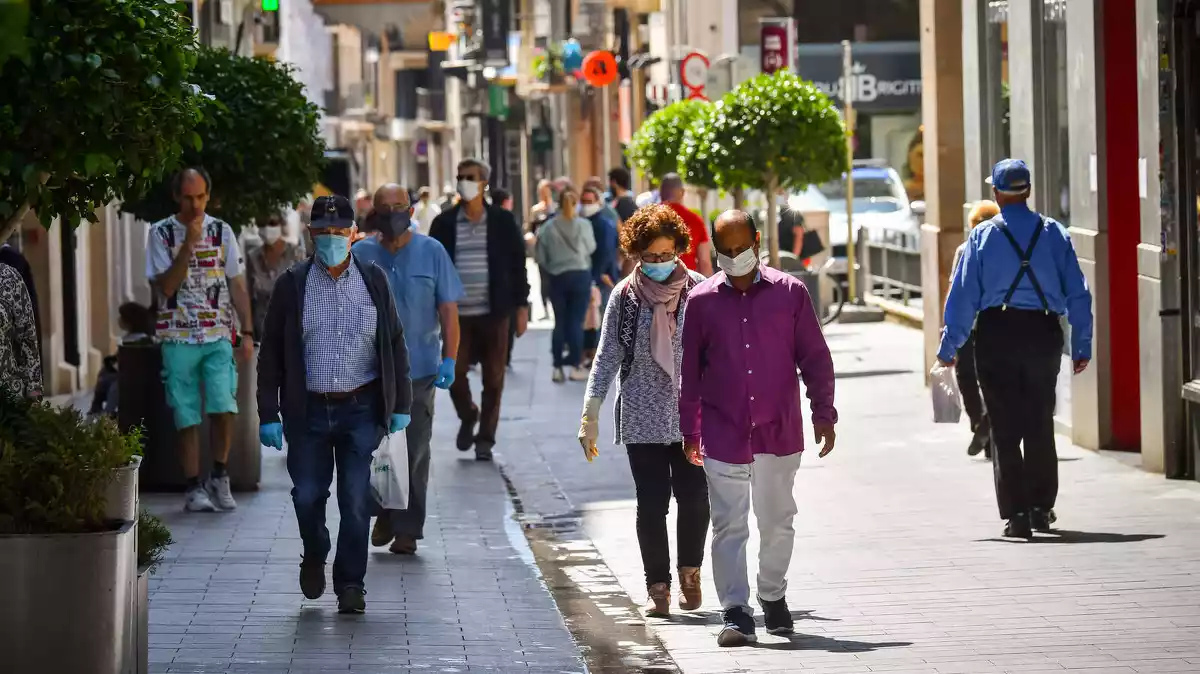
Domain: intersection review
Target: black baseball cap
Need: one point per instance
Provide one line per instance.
(332, 211)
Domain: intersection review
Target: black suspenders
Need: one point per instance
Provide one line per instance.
(1026, 268)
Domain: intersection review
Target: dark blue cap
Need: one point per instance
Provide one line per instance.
(1010, 175)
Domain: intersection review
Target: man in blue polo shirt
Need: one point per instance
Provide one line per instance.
(427, 290)
(1017, 276)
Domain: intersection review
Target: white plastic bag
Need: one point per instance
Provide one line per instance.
(389, 472)
(947, 401)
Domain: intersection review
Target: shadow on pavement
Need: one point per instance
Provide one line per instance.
(714, 618)
(811, 642)
(1068, 536)
(863, 374)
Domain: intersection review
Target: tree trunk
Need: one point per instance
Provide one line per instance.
(703, 194)
(739, 197)
(772, 224)
(13, 223)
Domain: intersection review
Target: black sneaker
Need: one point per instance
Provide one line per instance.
(312, 578)
(352, 599)
(979, 442)
(1041, 519)
(777, 616)
(466, 433)
(1018, 527)
(483, 450)
(738, 629)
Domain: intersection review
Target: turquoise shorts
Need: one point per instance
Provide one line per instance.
(185, 366)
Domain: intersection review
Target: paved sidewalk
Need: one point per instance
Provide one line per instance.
(898, 566)
(227, 597)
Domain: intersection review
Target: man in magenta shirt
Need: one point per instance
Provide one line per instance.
(746, 331)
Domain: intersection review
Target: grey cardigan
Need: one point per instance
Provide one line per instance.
(647, 406)
(565, 245)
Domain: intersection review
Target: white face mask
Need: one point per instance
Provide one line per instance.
(741, 265)
(270, 234)
(588, 210)
(468, 189)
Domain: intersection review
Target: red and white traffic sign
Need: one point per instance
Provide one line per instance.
(693, 73)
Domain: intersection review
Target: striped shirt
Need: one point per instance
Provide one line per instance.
(471, 259)
(339, 331)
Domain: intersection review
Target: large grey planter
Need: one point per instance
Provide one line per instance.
(140, 640)
(122, 493)
(67, 602)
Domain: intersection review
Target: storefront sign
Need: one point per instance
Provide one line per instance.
(495, 16)
(777, 38)
(886, 76)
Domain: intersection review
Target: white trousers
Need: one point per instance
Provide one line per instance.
(733, 488)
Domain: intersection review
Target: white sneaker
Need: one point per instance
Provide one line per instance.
(558, 376)
(219, 493)
(579, 374)
(198, 501)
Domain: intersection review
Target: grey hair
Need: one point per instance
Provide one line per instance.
(485, 171)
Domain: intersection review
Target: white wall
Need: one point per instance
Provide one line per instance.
(305, 43)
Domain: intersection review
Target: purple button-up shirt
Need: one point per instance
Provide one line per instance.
(739, 393)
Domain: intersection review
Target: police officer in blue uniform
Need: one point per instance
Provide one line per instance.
(1018, 275)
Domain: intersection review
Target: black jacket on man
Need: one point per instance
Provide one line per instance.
(282, 375)
(508, 286)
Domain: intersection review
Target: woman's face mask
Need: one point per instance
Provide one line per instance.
(270, 233)
(659, 271)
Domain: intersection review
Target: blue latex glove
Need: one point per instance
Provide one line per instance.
(445, 374)
(271, 435)
(399, 422)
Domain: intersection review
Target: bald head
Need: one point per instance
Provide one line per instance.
(191, 192)
(734, 232)
(671, 188)
(391, 197)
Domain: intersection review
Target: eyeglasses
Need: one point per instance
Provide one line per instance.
(467, 178)
(658, 257)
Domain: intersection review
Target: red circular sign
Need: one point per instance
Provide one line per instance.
(600, 68)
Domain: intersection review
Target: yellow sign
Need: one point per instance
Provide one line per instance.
(440, 41)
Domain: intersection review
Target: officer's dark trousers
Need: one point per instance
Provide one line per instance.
(1017, 355)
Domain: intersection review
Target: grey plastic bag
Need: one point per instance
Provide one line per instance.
(947, 401)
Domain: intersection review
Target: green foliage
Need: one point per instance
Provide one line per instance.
(153, 538)
(55, 467)
(776, 127)
(259, 140)
(97, 99)
(655, 148)
(695, 156)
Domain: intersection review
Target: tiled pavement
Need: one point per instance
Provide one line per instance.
(227, 600)
(897, 564)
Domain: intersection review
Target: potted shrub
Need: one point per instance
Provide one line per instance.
(153, 537)
(67, 570)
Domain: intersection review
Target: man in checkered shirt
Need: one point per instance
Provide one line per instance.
(333, 376)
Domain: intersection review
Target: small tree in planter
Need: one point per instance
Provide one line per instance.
(260, 140)
(655, 148)
(98, 104)
(56, 535)
(776, 131)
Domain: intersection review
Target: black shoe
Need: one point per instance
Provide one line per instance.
(979, 443)
(466, 433)
(483, 450)
(1018, 527)
(777, 616)
(312, 578)
(352, 599)
(738, 629)
(1041, 519)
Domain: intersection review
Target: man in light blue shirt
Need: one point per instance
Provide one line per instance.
(1017, 277)
(427, 289)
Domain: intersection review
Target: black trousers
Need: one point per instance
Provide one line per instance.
(659, 470)
(968, 385)
(1018, 354)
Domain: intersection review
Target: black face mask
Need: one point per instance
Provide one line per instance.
(394, 224)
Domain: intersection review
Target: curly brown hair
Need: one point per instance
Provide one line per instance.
(653, 222)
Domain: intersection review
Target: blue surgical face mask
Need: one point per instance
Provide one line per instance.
(332, 249)
(659, 271)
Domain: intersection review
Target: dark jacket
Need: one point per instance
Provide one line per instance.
(282, 373)
(604, 258)
(508, 287)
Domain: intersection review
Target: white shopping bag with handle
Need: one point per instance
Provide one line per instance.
(947, 401)
(389, 472)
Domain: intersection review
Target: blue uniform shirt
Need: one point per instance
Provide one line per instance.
(422, 278)
(989, 265)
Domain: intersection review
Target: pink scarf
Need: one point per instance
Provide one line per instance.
(663, 299)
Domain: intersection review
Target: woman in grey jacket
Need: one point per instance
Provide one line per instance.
(564, 251)
(641, 346)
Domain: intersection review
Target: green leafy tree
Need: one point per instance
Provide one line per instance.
(259, 140)
(776, 131)
(695, 157)
(97, 104)
(655, 148)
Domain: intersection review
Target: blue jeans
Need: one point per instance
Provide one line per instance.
(570, 293)
(342, 433)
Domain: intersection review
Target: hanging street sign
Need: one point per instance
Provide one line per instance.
(693, 73)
